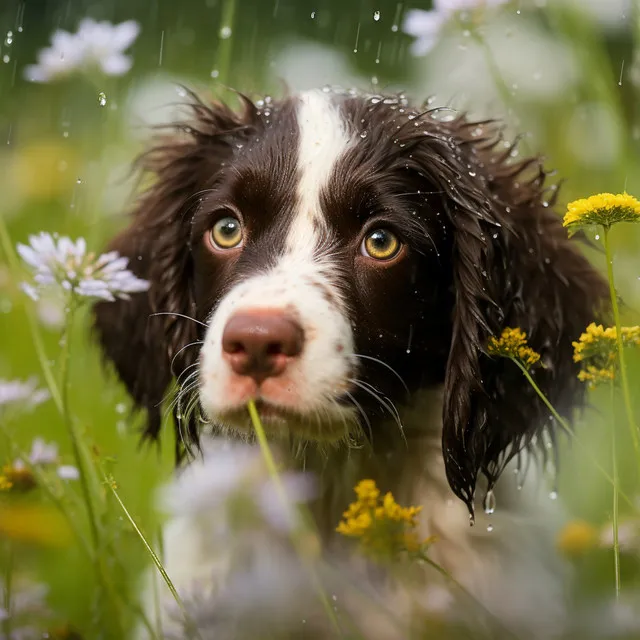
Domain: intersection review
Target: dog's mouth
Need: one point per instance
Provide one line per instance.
(284, 422)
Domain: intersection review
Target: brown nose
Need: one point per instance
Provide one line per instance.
(261, 344)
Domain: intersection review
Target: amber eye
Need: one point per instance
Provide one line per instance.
(226, 233)
(381, 244)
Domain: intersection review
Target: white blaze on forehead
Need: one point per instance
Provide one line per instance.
(323, 140)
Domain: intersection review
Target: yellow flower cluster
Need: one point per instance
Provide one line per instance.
(604, 208)
(596, 350)
(512, 343)
(5, 483)
(384, 528)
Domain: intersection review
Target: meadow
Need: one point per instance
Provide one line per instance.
(563, 74)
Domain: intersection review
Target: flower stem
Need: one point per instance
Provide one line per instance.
(616, 317)
(616, 542)
(8, 586)
(154, 556)
(275, 477)
(7, 247)
(567, 429)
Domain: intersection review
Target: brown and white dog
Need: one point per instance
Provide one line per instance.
(342, 259)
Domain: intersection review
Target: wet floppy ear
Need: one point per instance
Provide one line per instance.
(146, 348)
(513, 266)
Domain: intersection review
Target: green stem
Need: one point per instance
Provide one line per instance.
(73, 431)
(616, 542)
(565, 426)
(275, 477)
(154, 556)
(38, 343)
(623, 366)
(224, 46)
(8, 585)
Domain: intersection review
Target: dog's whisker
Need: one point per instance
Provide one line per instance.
(384, 364)
(362, 413)
(178, 315)
(179, 351)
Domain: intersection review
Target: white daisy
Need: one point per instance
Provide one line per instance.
(46, 454)
(58, 262)
(25, 393)
(96, 44)
(425, 26)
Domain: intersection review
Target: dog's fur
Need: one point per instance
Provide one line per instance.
(394, 359)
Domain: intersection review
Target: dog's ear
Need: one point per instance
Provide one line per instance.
(513, 266)
(147, 349)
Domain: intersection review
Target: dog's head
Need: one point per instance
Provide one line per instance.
(330, 255)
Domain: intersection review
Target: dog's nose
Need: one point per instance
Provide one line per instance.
(261, 344)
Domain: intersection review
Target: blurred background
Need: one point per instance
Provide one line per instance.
(563, 74)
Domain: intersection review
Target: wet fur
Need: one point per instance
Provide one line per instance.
(488, 251)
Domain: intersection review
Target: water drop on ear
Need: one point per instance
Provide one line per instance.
(489, 502)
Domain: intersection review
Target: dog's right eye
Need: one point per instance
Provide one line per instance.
(226, 233)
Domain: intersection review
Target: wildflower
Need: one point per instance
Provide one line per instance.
(604, 208)
(233, 480)
(512, 343)
(596, 350)
(383, 527)
(25, 393)
(426, 25)
(58, 262)
(27, 608)
(95, 45)
(628, 535)
(577, 537)
(5, 483)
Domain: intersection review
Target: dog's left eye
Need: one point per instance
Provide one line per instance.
(226, 233)
(381, 244)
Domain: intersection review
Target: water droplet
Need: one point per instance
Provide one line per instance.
(597, 236)
(490, 528)
(376, 15)
(225, 32)
(121, 407)
(394, 27)
(334, 597)
(6, 58)
(489, 503)
(553, 495)
(215, 73)
(363, 134)
(313, 15)
(102, 98)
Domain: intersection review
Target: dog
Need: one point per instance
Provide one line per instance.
(343, 259)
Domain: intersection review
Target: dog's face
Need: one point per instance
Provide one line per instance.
(319, 272)
(337, 254)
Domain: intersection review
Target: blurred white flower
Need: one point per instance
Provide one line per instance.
(24, 393)
(50, 312)
(628, 535)
(426, 25)
(44, 454)
(232, 475)
(96, 44)
(27, 609)
(59, 263)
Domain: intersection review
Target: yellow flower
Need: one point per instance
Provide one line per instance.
(596, 350)
(18, 477)
(577, 537)
(35, 524)
(512, 343)
(384, 529)
(5, 483)
(604, 208)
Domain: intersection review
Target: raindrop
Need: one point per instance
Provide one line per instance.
(334, 597)
(553, 495)
(374, 80)
(597, 236)
(121, 407)
(79, 181)
(363, 134)
(6, 58)
(102, 98)
(225, 32)
(313, 15)
(490, 528)
(489, 503)
(376, 15)
(355, 46)
(473, 174)
(379, 50)
(9, 39)
(621, 72)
